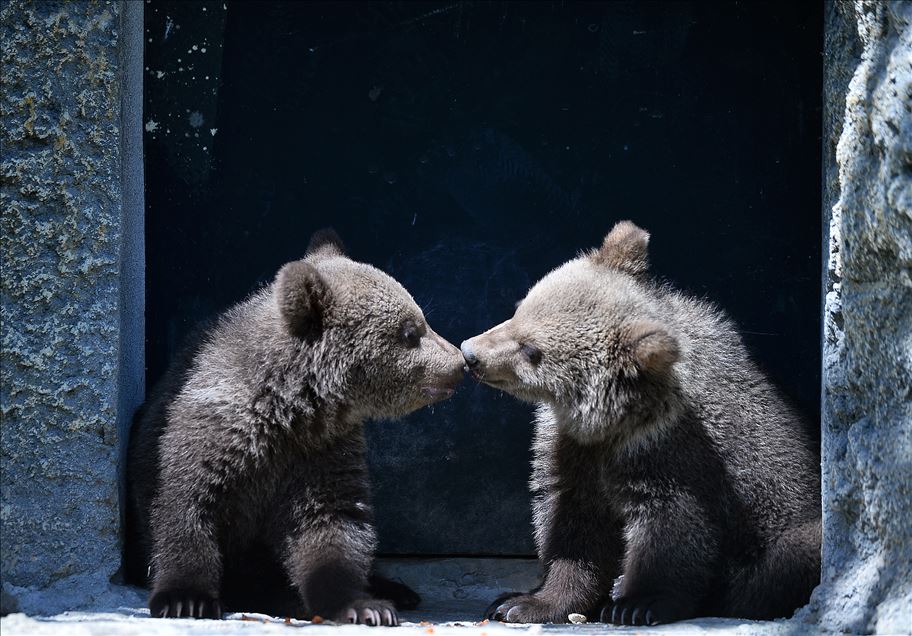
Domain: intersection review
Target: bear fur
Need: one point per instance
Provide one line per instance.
(670, 480)
(247, 485)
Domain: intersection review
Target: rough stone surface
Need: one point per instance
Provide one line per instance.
(61, 238)
(867, 380)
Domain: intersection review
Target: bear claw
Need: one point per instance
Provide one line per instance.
(369, 612)
(644, 611)
(183, 604)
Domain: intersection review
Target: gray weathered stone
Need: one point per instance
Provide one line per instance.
(867, 366)
(64, 226)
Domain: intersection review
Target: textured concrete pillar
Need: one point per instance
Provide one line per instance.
(867, 380)
(72, 289)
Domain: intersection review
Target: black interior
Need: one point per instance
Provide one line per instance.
(467, 149)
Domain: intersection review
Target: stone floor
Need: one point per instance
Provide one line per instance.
(439, 620)
(455, 593)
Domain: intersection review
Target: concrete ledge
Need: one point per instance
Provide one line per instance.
(448, 581)
(121, 623)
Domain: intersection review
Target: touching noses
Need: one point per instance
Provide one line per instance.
(469, 355)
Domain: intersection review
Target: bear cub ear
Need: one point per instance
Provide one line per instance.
(624, 248)
(325, 242)
(654, 349)
(302, 295)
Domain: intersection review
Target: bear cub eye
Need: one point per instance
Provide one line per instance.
(533, 354)
(410, 335)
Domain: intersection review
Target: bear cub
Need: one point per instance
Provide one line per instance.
(669, 478)
(247, 483)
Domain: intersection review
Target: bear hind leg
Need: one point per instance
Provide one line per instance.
(783, 579)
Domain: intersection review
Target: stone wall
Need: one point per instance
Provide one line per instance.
(71, 241)
(867, 365)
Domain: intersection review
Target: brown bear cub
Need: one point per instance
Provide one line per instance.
(669, 478)
(247, 484)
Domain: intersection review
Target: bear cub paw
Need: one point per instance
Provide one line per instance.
(497, 602)
(369, 611)
(528, 608)
(640, 611)
(182, 603)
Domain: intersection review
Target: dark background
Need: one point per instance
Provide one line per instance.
(467, 149)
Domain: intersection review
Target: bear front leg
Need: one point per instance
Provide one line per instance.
(570, 587)
(670, 555)
(581, 550)
(578, 535)
(327, 537)
(186, 564)
(328, 560)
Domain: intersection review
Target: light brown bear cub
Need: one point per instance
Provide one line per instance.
(669, 478)
(247, 485)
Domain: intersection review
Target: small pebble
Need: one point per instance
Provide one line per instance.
(576, 619)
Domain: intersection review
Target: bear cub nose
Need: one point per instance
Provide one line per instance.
(469, 355)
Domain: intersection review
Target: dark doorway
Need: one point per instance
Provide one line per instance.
(467, 149)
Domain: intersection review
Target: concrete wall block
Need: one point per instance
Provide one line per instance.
(62, 236)
(867, 380)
